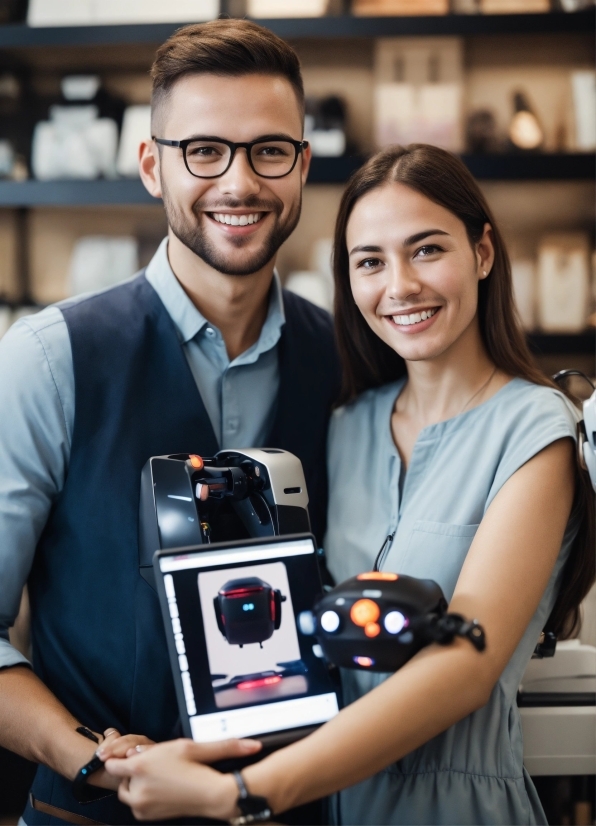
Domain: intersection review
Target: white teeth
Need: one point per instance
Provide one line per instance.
(413, 318)
(236, 220)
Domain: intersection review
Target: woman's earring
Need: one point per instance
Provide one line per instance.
(484, 273)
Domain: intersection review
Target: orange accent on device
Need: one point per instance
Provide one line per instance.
(364, 611)
(196, 461)
(372, 629)
(379, 575)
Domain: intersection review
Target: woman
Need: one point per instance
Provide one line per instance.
(452, 458)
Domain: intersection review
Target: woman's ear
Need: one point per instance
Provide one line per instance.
(485, 253)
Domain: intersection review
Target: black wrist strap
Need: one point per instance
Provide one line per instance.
(254, 809)
(83, 793)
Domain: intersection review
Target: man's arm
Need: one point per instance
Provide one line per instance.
(37, 414)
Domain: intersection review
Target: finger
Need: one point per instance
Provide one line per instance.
(120, 745)
(120, 768)
(110, 732)
(137, 750)
(124, 791)
(221, 749)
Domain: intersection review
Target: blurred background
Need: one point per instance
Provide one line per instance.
(509, 85)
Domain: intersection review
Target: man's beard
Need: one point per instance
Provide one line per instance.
(193, 236)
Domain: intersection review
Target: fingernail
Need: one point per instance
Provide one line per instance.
(100, 753)
(250, 745)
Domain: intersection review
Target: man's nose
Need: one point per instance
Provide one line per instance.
(240, 180)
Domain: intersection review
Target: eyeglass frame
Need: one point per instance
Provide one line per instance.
(299, 147)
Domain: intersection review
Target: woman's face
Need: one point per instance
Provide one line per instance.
(413, 273)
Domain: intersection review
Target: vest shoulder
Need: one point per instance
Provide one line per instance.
(118, 297)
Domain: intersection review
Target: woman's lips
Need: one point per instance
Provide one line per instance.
(416, 327)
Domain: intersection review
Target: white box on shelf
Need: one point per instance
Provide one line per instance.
(523, 274)
(431, 113)
(287, 8)
(515, 6)
(74, 144)
(583, 85)
(374, 8)
(563, 282)
(136, 127)
(101, 261)
(114, 12)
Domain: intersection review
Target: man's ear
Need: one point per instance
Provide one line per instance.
(485, 253)
(149, 167)
(306, 157)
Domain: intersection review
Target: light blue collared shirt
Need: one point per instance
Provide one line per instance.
(37, 409)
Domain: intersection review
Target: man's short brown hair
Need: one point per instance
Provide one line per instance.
(226, 48)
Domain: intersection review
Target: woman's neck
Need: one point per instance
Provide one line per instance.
(439, 389)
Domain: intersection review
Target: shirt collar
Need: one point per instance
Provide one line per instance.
(189, 321)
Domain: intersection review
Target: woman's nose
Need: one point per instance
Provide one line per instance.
(402, 281)
(240, 180)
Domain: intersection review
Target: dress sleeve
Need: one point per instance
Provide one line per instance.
(37, 416)
(535, 421)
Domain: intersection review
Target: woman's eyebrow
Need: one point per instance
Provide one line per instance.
(365, 248)
(413, 239)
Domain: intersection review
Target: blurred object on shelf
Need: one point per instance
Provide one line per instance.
(481, 132)
(316, 284)
(523, 276)
(525, 132)
(7, 158)
(100, 261)
(325, 126)
(136, 127)
(465, 6)
(312, 286)
(575, 5)
(287, 8)
(563, 282)
(5, 319)
(13, 11)
(116, 12)
(515, 6)
(74, 143)
(419, 91)
(583, 84)
(388, 8)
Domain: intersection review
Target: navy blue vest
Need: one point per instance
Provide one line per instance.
(98, 639)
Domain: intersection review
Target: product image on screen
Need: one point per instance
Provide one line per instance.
(252, 646)
(245, 667)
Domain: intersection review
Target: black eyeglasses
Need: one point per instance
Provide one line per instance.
(269, 157)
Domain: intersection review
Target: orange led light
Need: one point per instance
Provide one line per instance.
(372, 629)
(379, 575)
(365, 662)
(364, 611)
(196, 461)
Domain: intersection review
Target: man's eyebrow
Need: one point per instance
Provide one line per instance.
(365, 248)
(418, 236)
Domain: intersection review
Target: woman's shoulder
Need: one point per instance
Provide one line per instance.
(522, 404)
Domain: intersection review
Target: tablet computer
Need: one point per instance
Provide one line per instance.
(242, 667)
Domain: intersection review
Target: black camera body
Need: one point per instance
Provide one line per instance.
(377, 621)
(238, 494)
(248, 610)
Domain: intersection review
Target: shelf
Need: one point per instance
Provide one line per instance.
(569, 344)
(323, 171)
(19, 36)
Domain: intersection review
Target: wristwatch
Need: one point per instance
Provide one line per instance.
(254, 809)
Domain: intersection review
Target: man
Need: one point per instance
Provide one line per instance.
(202, 351)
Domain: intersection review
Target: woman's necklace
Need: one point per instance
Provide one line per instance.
(484, 386)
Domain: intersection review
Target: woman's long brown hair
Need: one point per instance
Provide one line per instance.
(368, 362)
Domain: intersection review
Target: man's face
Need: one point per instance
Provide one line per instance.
(237, 109)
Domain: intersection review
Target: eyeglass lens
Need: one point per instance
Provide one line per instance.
(271, 159)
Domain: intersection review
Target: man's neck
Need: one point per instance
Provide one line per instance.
(236, 304)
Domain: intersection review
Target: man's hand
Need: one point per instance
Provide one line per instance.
(170, 779)
(115, 745)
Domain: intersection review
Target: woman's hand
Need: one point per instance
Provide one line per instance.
(118, 745)
(170, 779)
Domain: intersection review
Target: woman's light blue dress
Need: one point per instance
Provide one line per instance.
(472, 773)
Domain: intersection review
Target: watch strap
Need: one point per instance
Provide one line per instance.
(254, 809)
(83, 793)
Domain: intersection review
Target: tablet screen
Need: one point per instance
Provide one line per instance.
(244, 666)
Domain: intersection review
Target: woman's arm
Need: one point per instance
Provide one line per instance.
(501, 584)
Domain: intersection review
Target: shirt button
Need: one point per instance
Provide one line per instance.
(210, 332)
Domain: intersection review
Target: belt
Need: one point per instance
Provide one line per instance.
(62, 814)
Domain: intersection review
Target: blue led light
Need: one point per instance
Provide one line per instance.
(248, 606)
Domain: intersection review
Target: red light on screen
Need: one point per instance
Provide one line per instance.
(263, 681)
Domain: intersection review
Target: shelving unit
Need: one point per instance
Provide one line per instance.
(30, 48)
